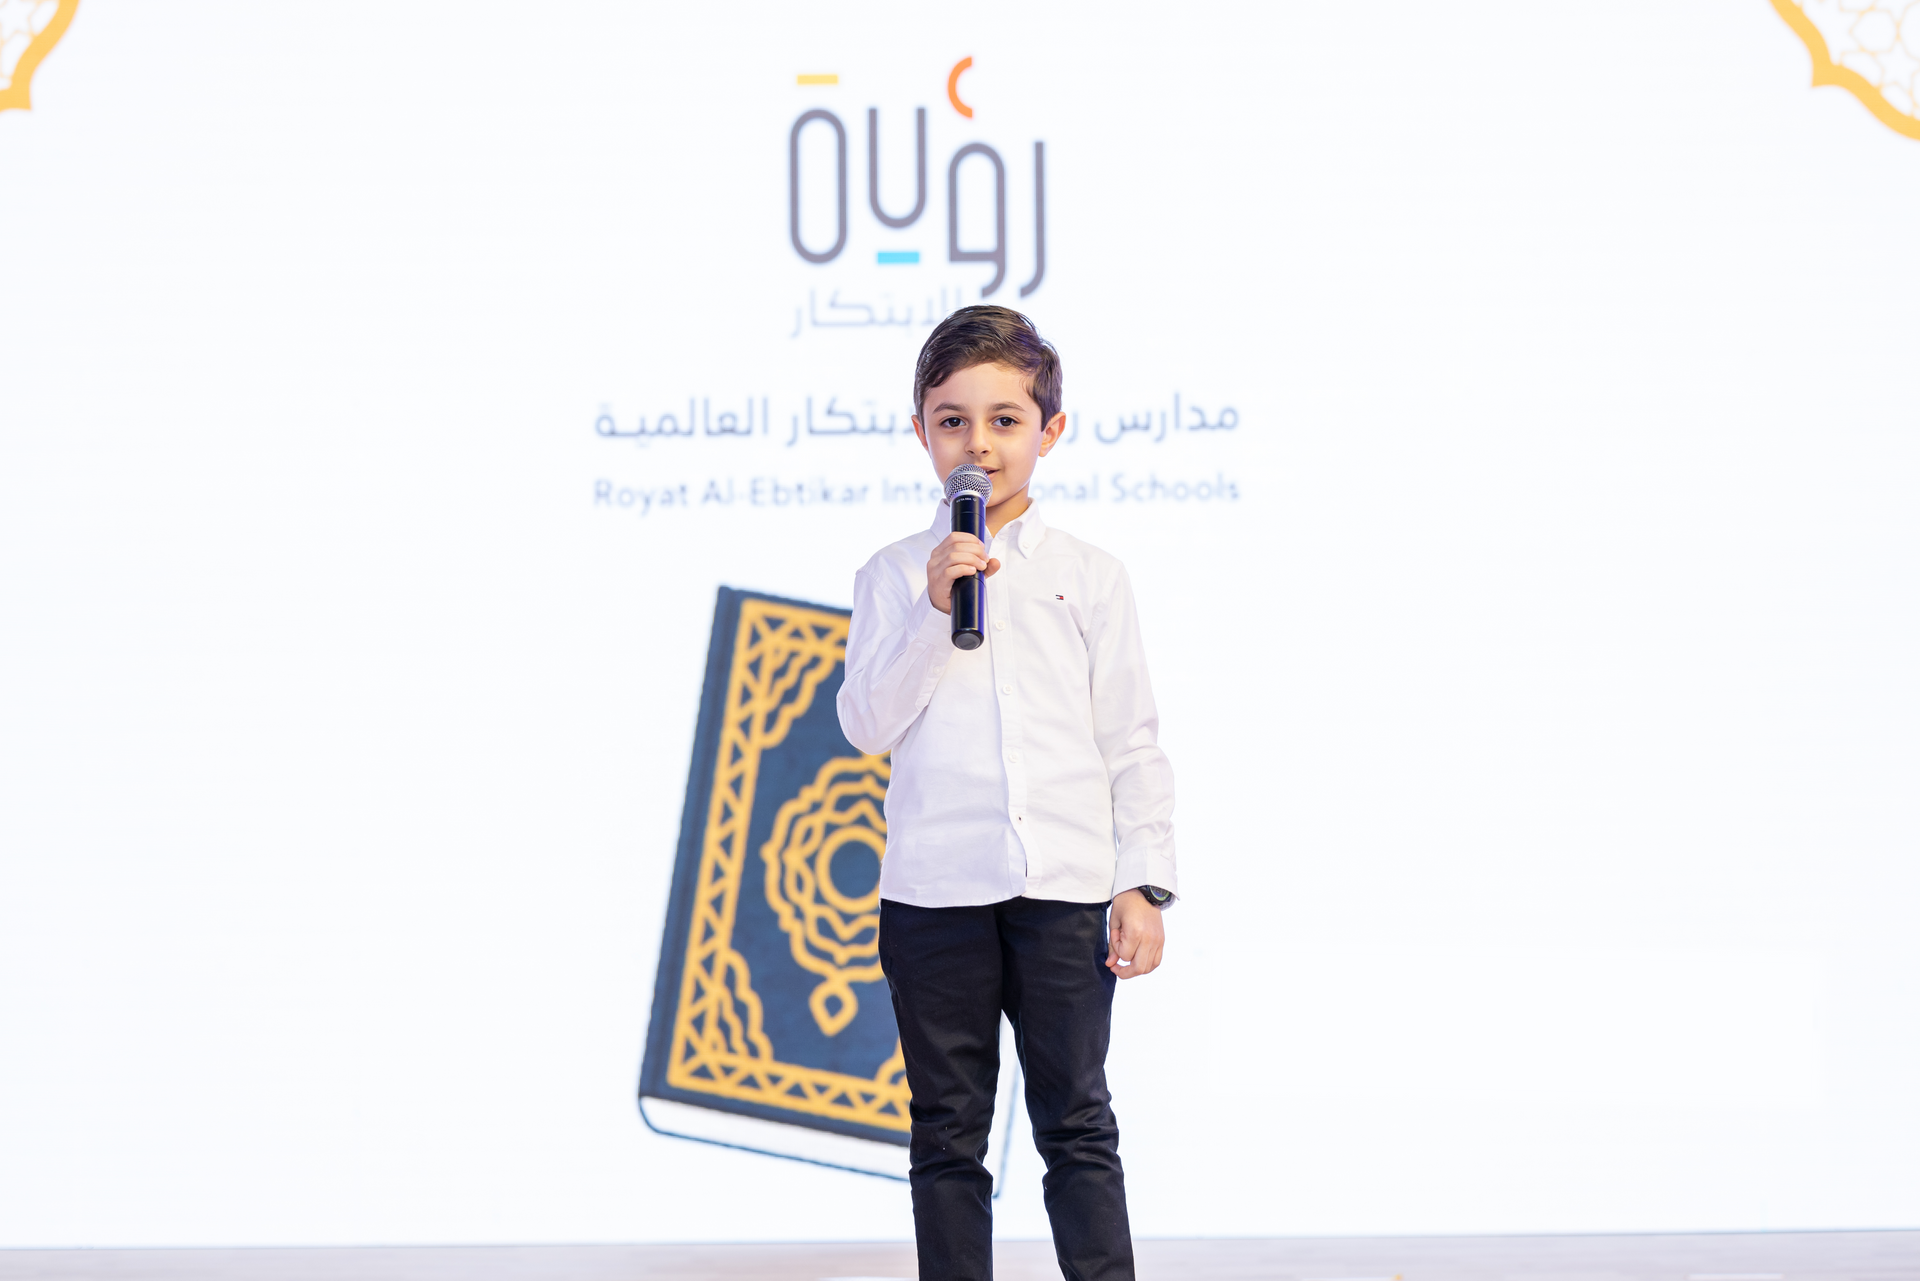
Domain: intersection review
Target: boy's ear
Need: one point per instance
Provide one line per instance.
(1048, 434)
(921, 432)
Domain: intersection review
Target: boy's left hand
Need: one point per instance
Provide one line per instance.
(1135, 935)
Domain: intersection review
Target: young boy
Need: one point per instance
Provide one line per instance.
(1029, 816)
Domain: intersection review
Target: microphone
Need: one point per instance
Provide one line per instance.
(967, 490)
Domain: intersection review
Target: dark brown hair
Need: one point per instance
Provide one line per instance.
(988, 335)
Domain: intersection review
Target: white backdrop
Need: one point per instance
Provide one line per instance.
(1541, 691)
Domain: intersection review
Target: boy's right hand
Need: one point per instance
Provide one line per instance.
(957, 556)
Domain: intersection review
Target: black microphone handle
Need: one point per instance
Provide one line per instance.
(969, 593)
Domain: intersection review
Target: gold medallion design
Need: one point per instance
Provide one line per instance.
(719, 1045)
(28, 31)
(833, 936)
(1870, 48)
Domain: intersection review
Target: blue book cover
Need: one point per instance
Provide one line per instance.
(769, 1001)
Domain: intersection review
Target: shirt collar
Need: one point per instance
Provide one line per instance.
(1026, 530)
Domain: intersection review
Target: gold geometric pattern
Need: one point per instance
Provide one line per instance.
(719, 1045)
(28, 31)
(1870, 48)
(833, 936)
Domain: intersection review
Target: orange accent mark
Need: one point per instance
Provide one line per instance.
(953, 87)
(832, 78)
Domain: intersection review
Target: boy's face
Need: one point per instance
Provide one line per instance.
(984, 415)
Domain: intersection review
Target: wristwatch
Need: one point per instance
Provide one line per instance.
(1155, 895)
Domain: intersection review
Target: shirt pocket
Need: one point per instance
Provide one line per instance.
(1061, 613)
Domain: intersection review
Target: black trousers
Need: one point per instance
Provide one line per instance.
(952, 971)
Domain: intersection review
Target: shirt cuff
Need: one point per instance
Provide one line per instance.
(1146, 867)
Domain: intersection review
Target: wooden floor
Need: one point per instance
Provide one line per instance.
(1785, 1256)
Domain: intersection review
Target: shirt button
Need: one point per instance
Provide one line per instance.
(1007, 688)
(999, 624)
(1014, 757)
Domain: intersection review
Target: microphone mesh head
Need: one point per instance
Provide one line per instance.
(968, 478)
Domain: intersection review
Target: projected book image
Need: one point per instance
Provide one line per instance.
(769, 1005)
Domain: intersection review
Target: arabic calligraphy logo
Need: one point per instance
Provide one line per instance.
(834, 932)
(997, 255)
(28, 31)
(1870, 48)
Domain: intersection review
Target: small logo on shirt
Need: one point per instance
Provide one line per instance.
(1059, 597)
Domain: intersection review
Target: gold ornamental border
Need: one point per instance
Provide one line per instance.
(1828, 72)
(719, 1045)
(18, 95)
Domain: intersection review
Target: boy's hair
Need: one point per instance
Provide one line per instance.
(988, 335)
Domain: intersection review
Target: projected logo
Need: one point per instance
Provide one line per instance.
(965, 183)
(806, 417)
(769, 1000)
(1870, 48)
(28, 31)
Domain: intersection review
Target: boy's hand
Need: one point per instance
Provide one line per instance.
(1135, 935)
(957, 556)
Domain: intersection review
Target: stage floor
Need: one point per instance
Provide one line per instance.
(1782, 1256)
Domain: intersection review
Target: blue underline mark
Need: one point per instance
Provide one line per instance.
(899, 255)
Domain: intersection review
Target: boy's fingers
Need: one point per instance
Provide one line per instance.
(1140, 946)
(1144, 960)
(993, 567)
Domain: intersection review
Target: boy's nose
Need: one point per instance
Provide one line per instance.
(980, 443)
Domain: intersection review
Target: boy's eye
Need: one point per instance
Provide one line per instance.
(953, 422)
(1004, 420)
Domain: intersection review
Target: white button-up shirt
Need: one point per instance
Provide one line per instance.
(1029, 766)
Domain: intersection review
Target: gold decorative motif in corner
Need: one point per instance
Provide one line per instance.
(28, 31)
(1870, 48)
